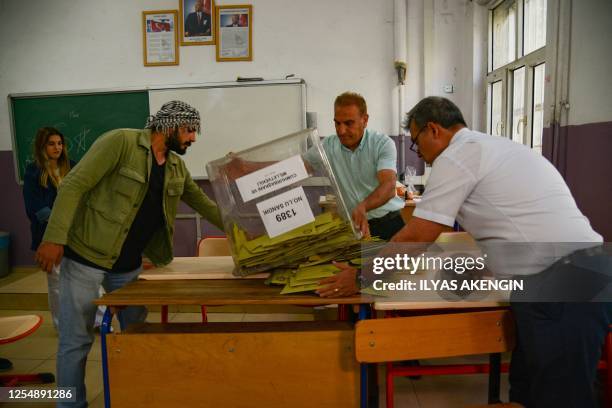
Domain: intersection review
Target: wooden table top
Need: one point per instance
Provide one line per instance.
(215, 292)
(197, 267)
(398, 305)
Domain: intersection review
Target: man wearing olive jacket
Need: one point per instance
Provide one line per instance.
(119, 202)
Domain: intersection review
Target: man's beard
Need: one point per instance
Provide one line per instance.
(173, 143)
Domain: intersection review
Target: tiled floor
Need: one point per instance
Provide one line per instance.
(37, 353)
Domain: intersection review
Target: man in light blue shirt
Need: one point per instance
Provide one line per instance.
(364, 163)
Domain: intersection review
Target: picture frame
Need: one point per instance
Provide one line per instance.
(197, 29)
(160, 38)
(234, 32)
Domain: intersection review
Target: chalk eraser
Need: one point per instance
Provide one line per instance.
(248, 79)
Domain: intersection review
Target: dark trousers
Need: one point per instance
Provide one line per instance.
(559, 342)
(558, 346)
(387, 226)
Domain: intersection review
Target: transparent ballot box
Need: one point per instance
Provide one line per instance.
(271, 201)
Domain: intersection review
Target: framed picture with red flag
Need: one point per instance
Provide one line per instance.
(160, 37)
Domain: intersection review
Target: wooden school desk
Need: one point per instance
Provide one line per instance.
(468, 333)
(245, 364)
(401, 341)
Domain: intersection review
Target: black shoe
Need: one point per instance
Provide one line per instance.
(5, 364)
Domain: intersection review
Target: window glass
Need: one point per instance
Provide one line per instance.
(496, 124)
(534, 25)
(518, 105)
(515, 91)
(538, 107)
(504, 33)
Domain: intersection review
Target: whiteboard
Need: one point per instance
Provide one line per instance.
(236, 117)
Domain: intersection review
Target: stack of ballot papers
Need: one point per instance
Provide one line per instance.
(328, 238)
(306, 278)
(303, 279)
(269, 198)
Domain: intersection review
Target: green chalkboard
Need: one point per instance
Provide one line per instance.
(82, 118)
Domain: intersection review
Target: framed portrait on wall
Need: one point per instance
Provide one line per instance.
(160, 37)
(197, 22)
(234, 33)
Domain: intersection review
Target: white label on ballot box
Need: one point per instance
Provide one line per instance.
(285, 212)
(271, 178)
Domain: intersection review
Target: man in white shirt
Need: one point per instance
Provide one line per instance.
(502, 193)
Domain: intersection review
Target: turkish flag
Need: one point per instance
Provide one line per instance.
(159, 26)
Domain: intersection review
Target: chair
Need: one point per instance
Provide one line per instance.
(209, 246)
(214, 246)
(437, 336)
(15, 328)
(605, 365)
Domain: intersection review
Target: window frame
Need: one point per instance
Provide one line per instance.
(505, 75)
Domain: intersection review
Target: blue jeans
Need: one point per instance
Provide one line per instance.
(53, 289)
(53, 295)
(79, 287)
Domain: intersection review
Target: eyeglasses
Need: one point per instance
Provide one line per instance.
(415, 141)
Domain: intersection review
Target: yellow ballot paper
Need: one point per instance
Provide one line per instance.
(297, 289)
(316, 272)
(373, 292)
(293, 282)
(327, 238)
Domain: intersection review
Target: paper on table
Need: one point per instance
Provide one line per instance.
(293, 282)
(316, 272)
(296, 289)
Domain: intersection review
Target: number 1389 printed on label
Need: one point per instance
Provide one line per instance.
(285, 212)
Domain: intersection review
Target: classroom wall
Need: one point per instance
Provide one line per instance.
(582, 144)
(588, 168)
(590, 85)
(334, 46)
(434, 28)
(455, 45)
(65, 44)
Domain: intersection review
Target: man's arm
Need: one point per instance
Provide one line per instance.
(420, 230)
(383, 193)
(238, 167)
(344, 283)
(448, 187)
(33, 197)
(188, 30)
(196, 199)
